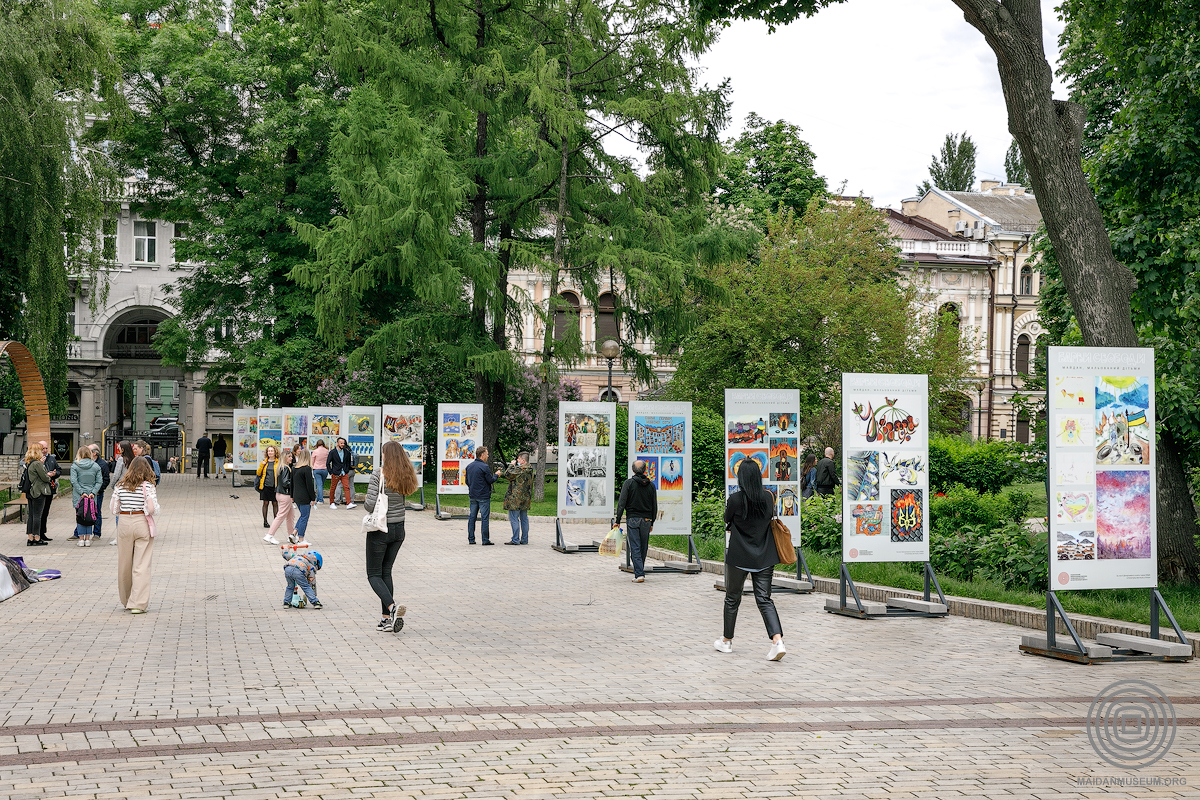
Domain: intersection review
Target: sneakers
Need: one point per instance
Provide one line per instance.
(333, 505)
(32, 543)
(87, 542)
(81, 543)
(487, 544)
(383, 623)
(512, 542)
(271, 539)
(316, 604)
(351, 505)
(292, 538)
(723, 646)
(640, 579)
(137, 611)
(395, 622)
(777, 652)
(286, 604)
(113, 543)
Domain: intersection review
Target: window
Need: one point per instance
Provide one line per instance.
(1026, 280)
(108, 229)
(225, 329)
(606, 318)
(181, 230)
(1022, 358)
(566, 313)
(1023, 428)
(222, 400)
(948, 316)
(143, 242)
(155, 391)
(71, 322)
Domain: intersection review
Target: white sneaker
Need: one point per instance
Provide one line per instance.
(113, 543)
(778, 651)
(271, 539)
(333, 505)
(87, 542)
(292, 538)
(723, 646)
(351, 505)
(81, 543)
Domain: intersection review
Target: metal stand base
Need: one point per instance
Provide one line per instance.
(417, 506)
(690, 567)
(894, 608)
(1109, 647)
(563, 546)
(444, 513)
(781, 584)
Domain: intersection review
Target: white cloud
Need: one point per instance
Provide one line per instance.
(875, 85)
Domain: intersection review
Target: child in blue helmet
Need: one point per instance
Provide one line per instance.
(301, 570)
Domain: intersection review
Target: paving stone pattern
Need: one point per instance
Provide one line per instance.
(521, 673)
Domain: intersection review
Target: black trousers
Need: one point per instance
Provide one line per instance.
(382, 549)
(46, 512)
(33, 517)
(735, 580)
(202, 464)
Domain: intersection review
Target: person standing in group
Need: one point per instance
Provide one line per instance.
(751, 551)
(135, 502)
(283, 498)
(304, 493)
(141, 449)
(397, 478)
(86, 479)
(125, 457)
(50, 461)
(204, 448)
(826, 478)
(341, 471)
(219, 451)
(808, 477)
(479, 478)
(639, 499)
(105, 479)
(268, 480)
(519, 498)
(36, 485)
(320, 455)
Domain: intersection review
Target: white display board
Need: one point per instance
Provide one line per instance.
(459, 432)
(360, 429)
(885, 467)
(324, 425)
(295, 427)
(763, 425)
(270, 430)
(661, 435)
(1103, 492)
(586, 460)
(405, 425)
(245, 438)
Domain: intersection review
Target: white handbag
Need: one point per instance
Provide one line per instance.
(377, 519)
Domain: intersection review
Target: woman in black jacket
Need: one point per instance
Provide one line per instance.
(751, 551)
(304, 493)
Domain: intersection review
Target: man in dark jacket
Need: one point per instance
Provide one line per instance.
(639, 499)
(52, 470)
(827, 477)
(105, 480)
(341, 467)
(203, 452)
(479, 478)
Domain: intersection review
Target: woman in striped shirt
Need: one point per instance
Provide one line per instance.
(134, 503)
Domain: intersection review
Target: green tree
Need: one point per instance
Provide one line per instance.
(953, 168)
(1014, 165)
(821, 298)
(55, 71)
(769, 169)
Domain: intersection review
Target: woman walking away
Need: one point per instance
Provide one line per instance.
(396, 477)
(36, 485)
(283, 499)
(124, 457)
(268, 478)
(304, 493)
(135, 503)
(86, 479)
(320, 455)
(808, 477)
(752, 552)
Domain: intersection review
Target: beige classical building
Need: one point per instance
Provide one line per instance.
(969, 253)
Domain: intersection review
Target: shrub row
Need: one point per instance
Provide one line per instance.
(982, 465)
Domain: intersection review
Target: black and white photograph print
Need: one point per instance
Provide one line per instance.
(587, 462)
(597, 493)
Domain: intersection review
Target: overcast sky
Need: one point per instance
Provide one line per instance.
(875, 85)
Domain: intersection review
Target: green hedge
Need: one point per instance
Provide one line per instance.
(986, 466)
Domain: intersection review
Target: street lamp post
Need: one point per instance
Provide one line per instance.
(610, 350)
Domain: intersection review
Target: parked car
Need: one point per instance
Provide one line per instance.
(162, 422)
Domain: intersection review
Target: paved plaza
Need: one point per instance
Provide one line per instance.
(521, 673)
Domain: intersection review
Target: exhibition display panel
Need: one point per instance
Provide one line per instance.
(360, 429)
(405, 425)
(587, 469)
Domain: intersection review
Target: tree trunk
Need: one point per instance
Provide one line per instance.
(1050, 134)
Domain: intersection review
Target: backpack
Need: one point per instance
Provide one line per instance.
(86, 512)
(157, 470)
(24, 486)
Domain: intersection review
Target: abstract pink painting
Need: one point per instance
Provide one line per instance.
(1123, 514)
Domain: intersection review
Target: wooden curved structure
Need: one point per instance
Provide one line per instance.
(37, 410)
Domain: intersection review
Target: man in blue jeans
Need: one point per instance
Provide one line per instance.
(639, 499)
(479, 485)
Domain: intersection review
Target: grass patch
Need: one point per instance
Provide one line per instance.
(546, 508)
(1040, 507)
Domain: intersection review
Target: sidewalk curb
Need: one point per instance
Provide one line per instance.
(1007, 613)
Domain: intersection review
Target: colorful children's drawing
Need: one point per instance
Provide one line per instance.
(1123, 513)
(451, 474)
(1076, 546)
(451, 424)
(736, 455)
(886, 422)
(907, 516)
(323, 425)
(651, 468)
(363, 424)
(657, 434)
(1072, 430)
(587, 430)
(868, 519)
(1072, 391)
(404, 428)
(901, 469)
(1123, 429)
(783, 424)
(1074, 508)
(862, 476)
(575, 491)
(470, 424)
(789, 502)
(783, 460)
(670, 475)
(742, 430)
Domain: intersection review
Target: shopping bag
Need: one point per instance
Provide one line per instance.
(613, 541)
